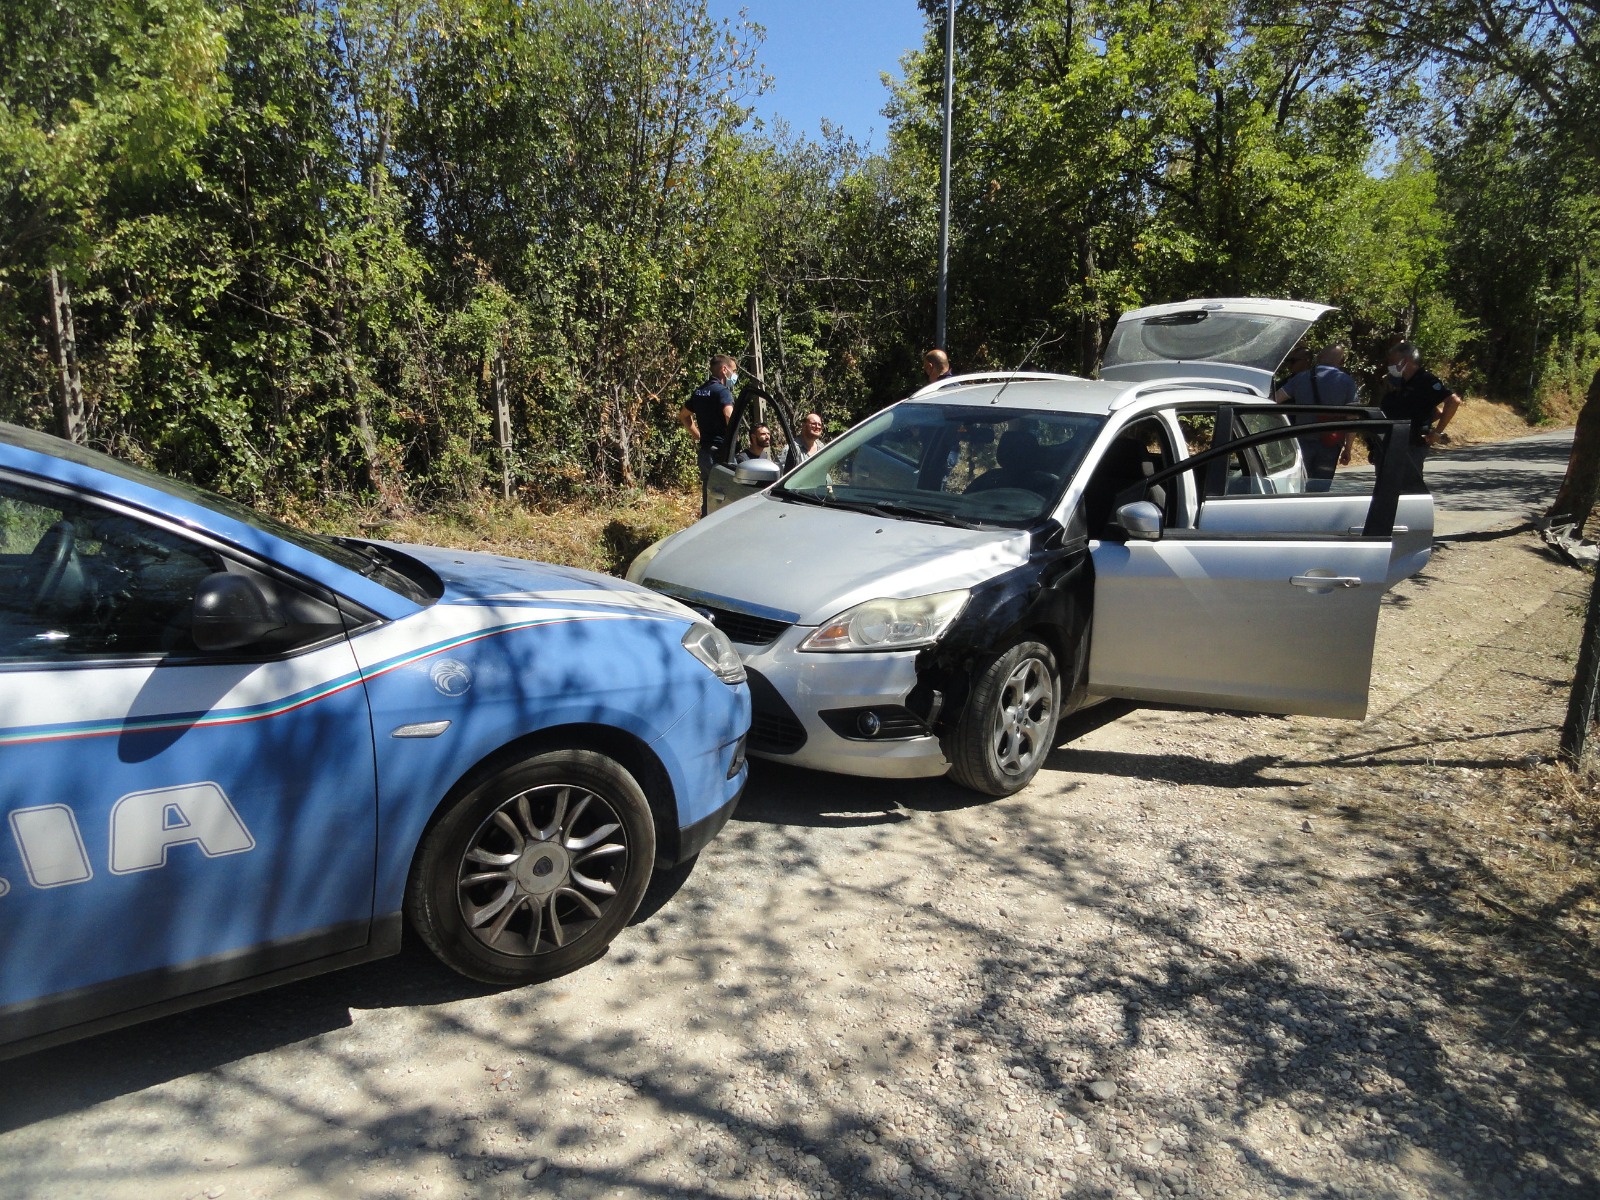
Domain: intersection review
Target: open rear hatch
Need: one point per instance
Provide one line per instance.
(1242, 340)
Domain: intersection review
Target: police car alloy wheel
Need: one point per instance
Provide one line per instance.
(533, 872)
(1009, 725)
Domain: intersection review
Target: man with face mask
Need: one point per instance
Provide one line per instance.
(1420, 397)
(706, 413)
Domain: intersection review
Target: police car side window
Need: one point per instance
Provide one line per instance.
(78, 581)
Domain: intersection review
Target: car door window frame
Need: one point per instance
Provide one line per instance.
(1210, 465)
(353, 617)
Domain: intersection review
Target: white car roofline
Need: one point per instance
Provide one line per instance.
(939, 385)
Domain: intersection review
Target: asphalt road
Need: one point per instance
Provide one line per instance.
(1501, 483)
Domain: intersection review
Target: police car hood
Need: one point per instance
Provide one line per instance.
(803, 564)
(494, 579)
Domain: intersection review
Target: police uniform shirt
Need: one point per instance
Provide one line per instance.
(707, 404)
(1416, 400)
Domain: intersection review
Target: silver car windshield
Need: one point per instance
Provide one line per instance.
(954, 465)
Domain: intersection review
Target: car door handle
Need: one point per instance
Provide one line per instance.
(1362, 529)
(1325, 582)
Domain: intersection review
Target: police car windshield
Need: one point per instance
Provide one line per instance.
(392, 573)
(950, 464)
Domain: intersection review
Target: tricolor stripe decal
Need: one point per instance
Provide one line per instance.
(116, 726)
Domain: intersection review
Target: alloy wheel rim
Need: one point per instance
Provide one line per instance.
(541, 870)
(1018, 737)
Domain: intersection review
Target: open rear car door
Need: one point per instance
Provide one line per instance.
(728, 480)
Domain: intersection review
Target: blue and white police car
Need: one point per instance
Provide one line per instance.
(234, 754)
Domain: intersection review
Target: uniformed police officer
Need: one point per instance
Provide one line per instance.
(1420, 397)
(706, 413)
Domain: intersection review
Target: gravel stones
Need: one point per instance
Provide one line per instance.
(1188, 997)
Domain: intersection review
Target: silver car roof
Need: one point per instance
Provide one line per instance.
(1069, 393)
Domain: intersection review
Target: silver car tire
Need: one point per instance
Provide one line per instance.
(532, 872)
(1008, 727)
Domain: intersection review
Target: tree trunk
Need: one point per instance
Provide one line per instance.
(1088, 324)
(1575, 501)
(1579, 725)
(74, 422)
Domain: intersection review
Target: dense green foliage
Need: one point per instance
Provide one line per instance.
(298, 244)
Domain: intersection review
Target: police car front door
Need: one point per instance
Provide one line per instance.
(168, 821)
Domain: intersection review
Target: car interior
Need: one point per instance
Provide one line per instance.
(82, 580)
(1136, 454)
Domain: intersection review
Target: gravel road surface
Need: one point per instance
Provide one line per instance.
(1203, 955)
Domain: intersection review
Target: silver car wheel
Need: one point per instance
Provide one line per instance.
(538, 872)
(1024, 717)
(1007, 727)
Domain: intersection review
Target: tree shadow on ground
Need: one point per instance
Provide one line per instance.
(1436, 1031)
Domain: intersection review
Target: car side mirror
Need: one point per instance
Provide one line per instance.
(756, 472)
(232, 611)
(1140, 521)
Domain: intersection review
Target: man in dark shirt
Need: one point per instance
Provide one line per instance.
(760, 445)
(1420, 397)
(706, 413)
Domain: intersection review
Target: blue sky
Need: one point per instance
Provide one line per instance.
(825, 58)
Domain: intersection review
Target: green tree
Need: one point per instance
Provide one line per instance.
(1109, 154)
(582, 155)
(1549, 49)
(94, 95)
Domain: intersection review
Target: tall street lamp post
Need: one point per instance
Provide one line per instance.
(944, 175)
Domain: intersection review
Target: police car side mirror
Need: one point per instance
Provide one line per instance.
(233, 611)
(756, 472)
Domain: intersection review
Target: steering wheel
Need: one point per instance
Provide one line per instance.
(47, 563)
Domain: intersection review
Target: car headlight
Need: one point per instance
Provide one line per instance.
(712, 647)
(889, 624)
(637, 568)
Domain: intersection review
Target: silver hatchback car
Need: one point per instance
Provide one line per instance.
(933, 589)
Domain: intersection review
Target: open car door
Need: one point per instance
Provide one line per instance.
(725, 482)
(1265, 599)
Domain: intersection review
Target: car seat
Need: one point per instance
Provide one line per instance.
(1126, 464)
(1019, 463)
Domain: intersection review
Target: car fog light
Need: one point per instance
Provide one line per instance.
(869, 724)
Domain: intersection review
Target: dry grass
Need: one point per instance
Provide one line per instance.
(577, 534)
(1479, 420)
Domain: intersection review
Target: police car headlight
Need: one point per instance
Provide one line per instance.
(637, 569)
(889, 624)
(712, 647)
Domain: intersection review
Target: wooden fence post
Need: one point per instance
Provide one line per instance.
(760, 415)
(74, 421)
(502, 423)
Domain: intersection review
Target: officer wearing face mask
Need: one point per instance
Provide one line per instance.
(706, 413)
(1419, 397)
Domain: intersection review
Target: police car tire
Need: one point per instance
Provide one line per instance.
(974, 761)
(431, 893)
